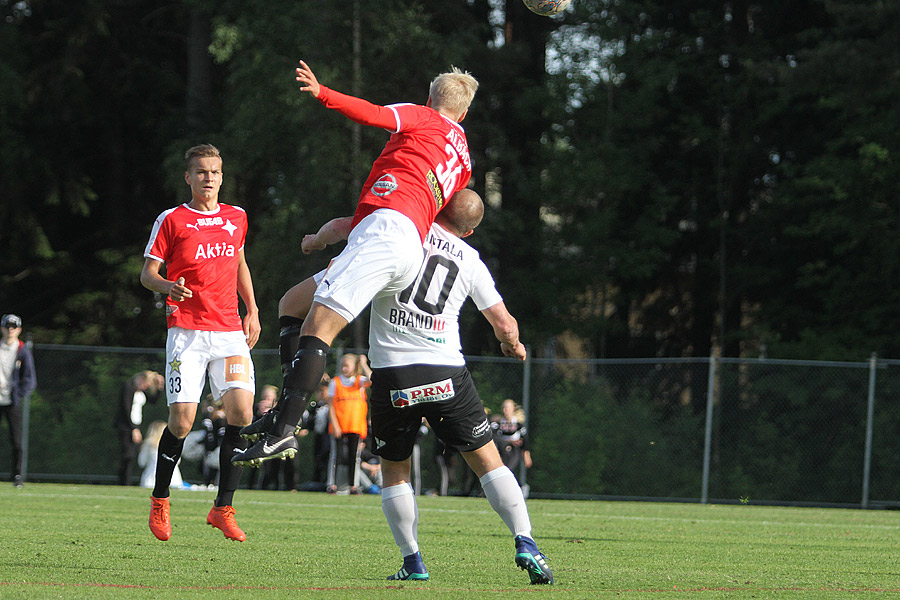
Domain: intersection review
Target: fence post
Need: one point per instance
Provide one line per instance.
(870, 419)
(707, 442)
(26, 418)
(526, 403)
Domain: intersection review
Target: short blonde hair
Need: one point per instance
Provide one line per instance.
(453, 91)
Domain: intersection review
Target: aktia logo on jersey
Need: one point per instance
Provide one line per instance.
(385, 185)
(214, 250)
(430, 392)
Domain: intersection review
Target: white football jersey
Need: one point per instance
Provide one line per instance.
(420, 325)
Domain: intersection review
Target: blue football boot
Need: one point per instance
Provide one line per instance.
(413, 569)
(530, 559)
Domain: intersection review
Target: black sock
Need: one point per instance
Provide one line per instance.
(288, 341)
(301, 381)
(229, 474)
(167, 456)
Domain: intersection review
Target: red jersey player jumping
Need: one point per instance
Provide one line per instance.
(423, 163)
(201, 244)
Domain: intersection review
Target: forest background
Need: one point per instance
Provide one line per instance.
(662, 179)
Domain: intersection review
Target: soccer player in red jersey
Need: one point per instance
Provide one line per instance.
(425, 161)
(201, 244)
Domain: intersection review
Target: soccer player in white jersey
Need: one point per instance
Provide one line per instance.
(201, 245)
(419, 371)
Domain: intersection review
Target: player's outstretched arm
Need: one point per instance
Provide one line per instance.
(356, 109)
(331, 232)
(506, 330)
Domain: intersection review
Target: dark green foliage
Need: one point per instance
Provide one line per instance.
(662, 180)
(576, 426)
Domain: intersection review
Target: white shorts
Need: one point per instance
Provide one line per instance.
(383, 255)
(191, 355)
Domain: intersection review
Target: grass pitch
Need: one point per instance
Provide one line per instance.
(71, 541)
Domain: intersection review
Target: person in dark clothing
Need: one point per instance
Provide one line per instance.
(137, 391)
(17, 381)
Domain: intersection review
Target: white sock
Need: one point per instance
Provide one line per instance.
(505, 495)
(398, 502)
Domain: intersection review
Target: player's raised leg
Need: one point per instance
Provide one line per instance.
(300, 383)
(292, 310)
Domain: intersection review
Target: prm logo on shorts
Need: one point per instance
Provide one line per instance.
(430, 392)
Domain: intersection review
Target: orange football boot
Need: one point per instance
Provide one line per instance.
(222, 517)
(159, 518)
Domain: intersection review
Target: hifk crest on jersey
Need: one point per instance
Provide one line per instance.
(430, 392)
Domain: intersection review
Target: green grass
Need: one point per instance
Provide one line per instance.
(69, 541)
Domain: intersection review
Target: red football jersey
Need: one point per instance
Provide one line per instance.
(425, 161)
(203, 248)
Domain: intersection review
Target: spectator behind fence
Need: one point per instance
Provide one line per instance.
(317, 420)
(17, 381)
(148, 455)
(370, 479)
(263, 405)
(138, 390)
(510, 435)
(274, 474)
(349, 423)
(214, 423)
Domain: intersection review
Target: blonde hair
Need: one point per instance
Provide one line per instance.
(152, 378)
(201, 151)
(453, 91)
(518, 411)
(354, 358)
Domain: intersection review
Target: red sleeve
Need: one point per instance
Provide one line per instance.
(160, 247)
(359, 110)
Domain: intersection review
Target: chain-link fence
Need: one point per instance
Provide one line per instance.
(724, 430)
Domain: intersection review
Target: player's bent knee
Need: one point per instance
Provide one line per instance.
(483, 460)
